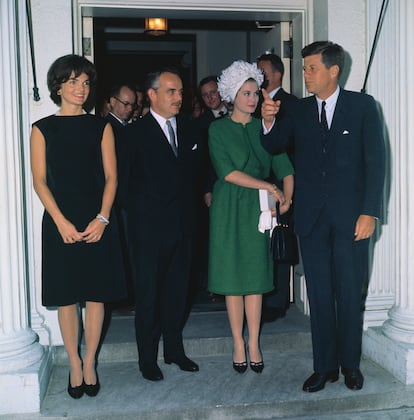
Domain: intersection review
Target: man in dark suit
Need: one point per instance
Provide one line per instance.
(122, 101)
(276, 303)
(340, 167)
(273, 71)
(214, 108)
(161, 221)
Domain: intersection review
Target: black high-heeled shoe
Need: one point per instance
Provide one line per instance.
(75, 392)
(257, 366)
(92, 390)
(240, 367)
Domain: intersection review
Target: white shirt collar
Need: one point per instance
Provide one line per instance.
(330, 105)
(162, 121)
(330, 102)
(273, 92)
(117, 118)
(216, 112)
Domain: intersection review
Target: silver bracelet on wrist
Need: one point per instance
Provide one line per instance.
(102, 219)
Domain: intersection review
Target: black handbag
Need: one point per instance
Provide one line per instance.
(283, 242)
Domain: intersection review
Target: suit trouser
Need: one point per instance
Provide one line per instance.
(126, 255)
(335, 269)
(161, 292)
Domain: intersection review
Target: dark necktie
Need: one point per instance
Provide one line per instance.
(324, 124)
(172, 137)
(220, 114)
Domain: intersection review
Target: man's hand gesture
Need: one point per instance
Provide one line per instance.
(269, 109)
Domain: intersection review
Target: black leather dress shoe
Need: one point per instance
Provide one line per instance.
(317, 380)
(353, 378)
(151, 372)
(184, 363)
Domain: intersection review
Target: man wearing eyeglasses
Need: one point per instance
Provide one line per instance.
(122, 101)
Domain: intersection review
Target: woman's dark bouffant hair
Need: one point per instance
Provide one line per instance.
(61, 70)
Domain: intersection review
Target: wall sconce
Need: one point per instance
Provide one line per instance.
(156, 26)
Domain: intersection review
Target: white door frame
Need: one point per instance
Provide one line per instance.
(300, 12)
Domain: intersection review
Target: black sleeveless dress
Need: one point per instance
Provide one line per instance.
(79, 272)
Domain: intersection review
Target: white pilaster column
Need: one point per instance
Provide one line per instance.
(382, 285)
(392, 345)
(21, 356)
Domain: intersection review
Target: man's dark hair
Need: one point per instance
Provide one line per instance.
(332, 54)
(61, 70)
(274, 60)
(153, 78)
(116, 88)
(205, 80)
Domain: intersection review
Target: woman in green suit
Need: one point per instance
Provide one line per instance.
(240, 265)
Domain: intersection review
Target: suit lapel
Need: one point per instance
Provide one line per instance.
(162, 139)
(340, 113)
(313, 115)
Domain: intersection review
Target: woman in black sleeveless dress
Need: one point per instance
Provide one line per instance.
(74, 174)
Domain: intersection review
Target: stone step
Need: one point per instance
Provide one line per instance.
(205, 334)
(217, 392)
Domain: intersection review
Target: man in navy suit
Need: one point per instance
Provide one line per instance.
(340, 166)
(276, 303)
(161, 210)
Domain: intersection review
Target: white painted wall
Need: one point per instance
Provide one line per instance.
(52, 32)
(347, 27)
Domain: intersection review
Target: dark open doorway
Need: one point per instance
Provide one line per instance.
(128, 57)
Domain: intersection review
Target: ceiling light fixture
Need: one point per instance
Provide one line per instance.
(156, 26)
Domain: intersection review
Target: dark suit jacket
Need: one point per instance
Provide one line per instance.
(121, 149)
(286, 99)
(161, 187)
(205, 119)
(208, 174)
(348, 174)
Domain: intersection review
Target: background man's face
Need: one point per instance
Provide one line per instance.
(123, 104)
(272, 78)
(211, 96)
